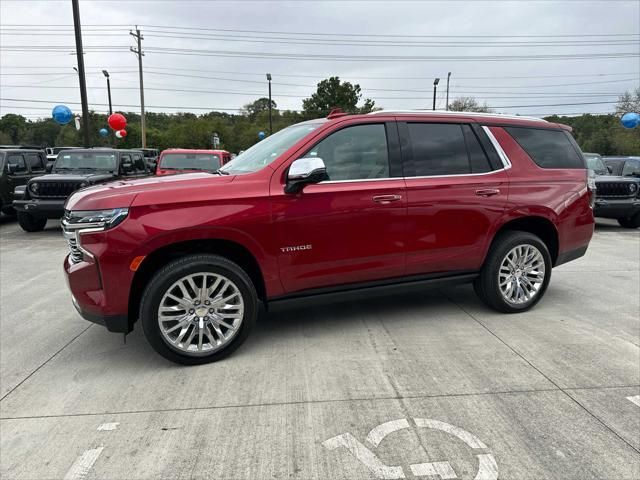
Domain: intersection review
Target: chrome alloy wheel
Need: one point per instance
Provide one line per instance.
(200, 313)
(521, 274)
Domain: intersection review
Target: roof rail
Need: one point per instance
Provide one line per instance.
(467, 114)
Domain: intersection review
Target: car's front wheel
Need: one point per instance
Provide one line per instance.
(630, 222)
(198, 309)
(29, 223)
(516, 272)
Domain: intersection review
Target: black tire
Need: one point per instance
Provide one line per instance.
(29, 223)
(630, 222)
(9, 211)
(171, 273)
(487, 284)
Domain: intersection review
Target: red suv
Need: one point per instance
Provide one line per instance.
(335, 204)
(179, 160)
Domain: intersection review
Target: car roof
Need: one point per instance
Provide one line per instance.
(21, 150)
(190, 150)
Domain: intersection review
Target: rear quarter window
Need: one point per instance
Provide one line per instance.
(548, 148)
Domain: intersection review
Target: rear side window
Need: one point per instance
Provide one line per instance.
(18, 161)
(547, 148)
(446, 149)
(138, 162)
(35, 161)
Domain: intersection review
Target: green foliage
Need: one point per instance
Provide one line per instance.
(468, 104)
(332, 93)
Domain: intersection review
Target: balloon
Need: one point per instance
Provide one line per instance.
(123, 133)
(261, 135)
(62, 114)
(630, 120)
(119, 134)
(104, 132)
(117, 121)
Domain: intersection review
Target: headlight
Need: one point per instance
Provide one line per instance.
(34, 187)
(94, 219)
(633, 187)
(84, 184)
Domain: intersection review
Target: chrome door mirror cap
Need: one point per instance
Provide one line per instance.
(304, 171)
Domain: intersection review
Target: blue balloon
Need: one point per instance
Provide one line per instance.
(62, 114)
(261, 135)
(104, 132)
(630, 120)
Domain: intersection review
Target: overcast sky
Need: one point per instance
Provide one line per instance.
(367, 42)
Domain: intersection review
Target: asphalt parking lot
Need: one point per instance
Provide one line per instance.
(410, 385)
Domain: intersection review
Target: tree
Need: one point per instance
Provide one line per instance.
(14, 126)
(332, 93)
(628, 102)
(261, 105)
(468, 104)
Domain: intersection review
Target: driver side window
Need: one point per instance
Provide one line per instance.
(355, 153)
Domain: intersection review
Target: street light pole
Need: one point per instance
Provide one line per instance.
(270, 114)
(435, 86)
(86, 134)
(447, 104)
(106, 74)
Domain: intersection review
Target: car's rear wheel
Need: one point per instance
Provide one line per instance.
(198, 309)
(516, 272)
(29, 223)
(630, 222)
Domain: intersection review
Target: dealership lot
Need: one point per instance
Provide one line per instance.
(402, 385)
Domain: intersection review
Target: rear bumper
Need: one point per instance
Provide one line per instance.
(616, 208)
(41, 208)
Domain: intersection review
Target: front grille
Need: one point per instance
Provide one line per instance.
(615, 189)
(75, 254)
(56, 189)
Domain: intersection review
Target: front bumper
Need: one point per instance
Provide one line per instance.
(616, 208)
(113, 323)
(41, 208)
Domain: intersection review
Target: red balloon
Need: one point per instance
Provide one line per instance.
(117, 121)
(123, 133)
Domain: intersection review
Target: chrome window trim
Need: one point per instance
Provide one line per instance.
(494, 141)
(325, 182)
(457, 175)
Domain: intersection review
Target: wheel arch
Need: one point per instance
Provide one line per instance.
(159, 257)
(537, 225)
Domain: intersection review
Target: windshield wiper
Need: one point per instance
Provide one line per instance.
(222, 172)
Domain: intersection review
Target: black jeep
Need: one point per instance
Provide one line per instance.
(17, 166)
(44, 197)
(616, 196)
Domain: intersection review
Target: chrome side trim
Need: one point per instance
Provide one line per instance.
(503, 156)
(324, 182)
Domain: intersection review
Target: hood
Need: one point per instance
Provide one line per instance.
(615, 179)
(121, 193)
(90, 177)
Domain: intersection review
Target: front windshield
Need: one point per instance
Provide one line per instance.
(267, 150)
(190, 161)
(595, 163)
(70, 160)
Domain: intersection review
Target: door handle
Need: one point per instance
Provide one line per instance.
(487, 192)
(386, 198)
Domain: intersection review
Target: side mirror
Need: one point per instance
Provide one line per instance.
(609, 169)
(49, 167)
(305, 171)
(12, 168)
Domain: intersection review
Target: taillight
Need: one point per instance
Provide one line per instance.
(591, 187)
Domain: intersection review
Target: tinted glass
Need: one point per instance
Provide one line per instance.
(438, 149)
(547, 148)
(17, 160)
(355, 153)
(477, 157)
(190, 161)
(631, 167)
(138, 162)
(595, 163)
(35, 162)
(73, 160)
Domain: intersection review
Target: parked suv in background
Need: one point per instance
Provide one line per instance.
(335, 204)
(624, 166)
(184, 160)
(17, 166)
(617, 197)
(44, 197)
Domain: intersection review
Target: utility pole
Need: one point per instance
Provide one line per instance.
(435, 86)
(86, 134)
(270, 117)
(138, 51)
(447, 104)
(106, 74)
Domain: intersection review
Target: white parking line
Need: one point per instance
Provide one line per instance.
(635, 399)
(105, 427)
(83, 464)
